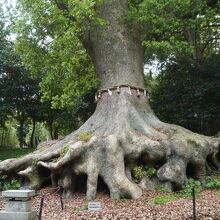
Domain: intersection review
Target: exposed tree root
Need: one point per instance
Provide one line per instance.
(121, 133)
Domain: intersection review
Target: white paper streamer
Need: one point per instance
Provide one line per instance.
(109, 92)
(129, 89)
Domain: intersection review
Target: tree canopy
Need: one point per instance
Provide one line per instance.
(49, 38)
(189, 95)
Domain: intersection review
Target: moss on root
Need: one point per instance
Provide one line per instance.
(35, 161)
(86, 136)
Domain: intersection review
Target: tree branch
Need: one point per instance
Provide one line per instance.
(208, 41)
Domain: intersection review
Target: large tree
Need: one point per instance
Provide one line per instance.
(123, 130)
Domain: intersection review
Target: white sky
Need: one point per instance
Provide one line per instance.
(8, 2)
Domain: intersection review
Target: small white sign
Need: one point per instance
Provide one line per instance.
(94, 206)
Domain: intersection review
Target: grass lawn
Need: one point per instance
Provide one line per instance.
(14, 152)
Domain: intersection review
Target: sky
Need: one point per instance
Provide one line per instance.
(8, 2)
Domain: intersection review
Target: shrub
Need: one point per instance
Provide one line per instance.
(187, 190)
(7, 184)
(151, 172)
(212, 183)
(139, 172)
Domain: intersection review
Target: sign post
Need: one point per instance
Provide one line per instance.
(194, 203)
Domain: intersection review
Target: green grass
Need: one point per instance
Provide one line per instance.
(14, 152)
(163, 199)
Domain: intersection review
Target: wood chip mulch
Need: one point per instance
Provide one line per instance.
(207, 208)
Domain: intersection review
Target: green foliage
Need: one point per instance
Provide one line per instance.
(86, 136)
(50, 47)
(7, 184)
(212, 183)
(49, 35)
(41, 133)
(187, 94)
(187, 190)
(163, 199)
(162, 189)
(151, 172)
(8, 135)
(175, 28)
(140, 171)
(20, 96)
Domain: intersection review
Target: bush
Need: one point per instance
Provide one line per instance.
(151, 172)
(140, 171)
(212, 183)
(187, 190)
(7, 184)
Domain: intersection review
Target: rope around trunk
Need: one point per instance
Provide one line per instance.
(109, 90)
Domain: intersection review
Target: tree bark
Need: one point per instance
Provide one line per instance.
(20, 133)
(123, 131)
(116, 51)
(33, 133)
(2, 136)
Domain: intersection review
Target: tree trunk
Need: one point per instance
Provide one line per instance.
(33, 133)
(2, 138)
(116, 51)
(123, 131)
(21, 133)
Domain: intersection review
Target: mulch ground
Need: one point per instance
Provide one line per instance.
(207, 208)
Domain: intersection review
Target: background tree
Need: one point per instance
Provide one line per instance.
(21, 98)
(186, 41)
(188, 95)
(178, 29)
(123, 131)
(5, 59)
